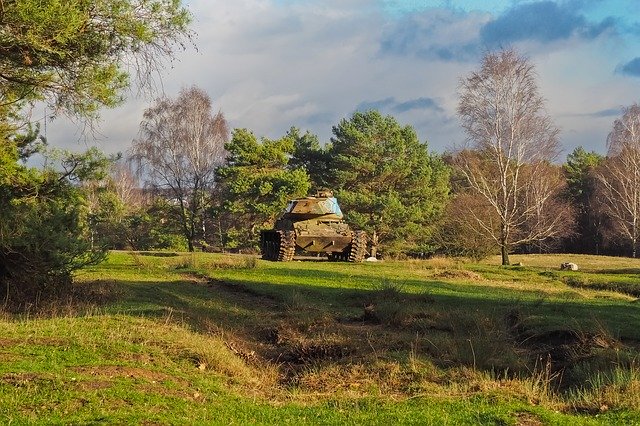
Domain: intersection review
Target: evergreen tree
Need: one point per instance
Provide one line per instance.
(581, 191)
(386, 181)
(257, 182)
(310, 156)
(44, 226)
(76, 56)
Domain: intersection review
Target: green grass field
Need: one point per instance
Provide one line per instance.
(168, 338)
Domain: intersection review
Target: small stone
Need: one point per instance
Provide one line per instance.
(568, 266)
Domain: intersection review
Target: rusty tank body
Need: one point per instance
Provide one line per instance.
(313, 225)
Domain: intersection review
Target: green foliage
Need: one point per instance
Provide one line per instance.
(44, 233)
(257, 182)
(578, 170)
(310, 156)
(386, 180)
(76, 54)
(152, 227)
(581, 192)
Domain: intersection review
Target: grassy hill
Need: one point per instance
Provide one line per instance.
(167, 338)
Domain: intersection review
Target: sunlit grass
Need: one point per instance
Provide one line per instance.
(210, 338)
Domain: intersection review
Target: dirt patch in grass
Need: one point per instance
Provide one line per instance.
(295, 347)
(34, 341)
(9, 357)
(305, 353)
(94, 385)
(48, 341)
(24, 379)
(238, 289)
(117, 371)
(5, 343)
(528, 419)
(144, 380)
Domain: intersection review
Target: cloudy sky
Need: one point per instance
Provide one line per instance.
(272, 64)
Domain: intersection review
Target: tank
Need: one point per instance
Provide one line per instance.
(313, 225)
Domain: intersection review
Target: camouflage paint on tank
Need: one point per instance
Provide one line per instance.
(308, 207)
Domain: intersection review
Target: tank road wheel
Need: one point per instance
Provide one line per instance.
(358, 247)
(286, 246)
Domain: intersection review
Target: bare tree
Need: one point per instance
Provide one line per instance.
(550, 217)
(125, 184)
(511, 142)
(457, 235)
(181, 143)
(619, 177)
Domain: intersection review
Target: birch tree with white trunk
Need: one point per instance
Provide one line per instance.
(619, 178)
(511, 143)
(180, 146)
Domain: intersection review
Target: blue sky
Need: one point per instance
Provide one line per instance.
(272, 64)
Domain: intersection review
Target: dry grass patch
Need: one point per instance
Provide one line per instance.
(458, 274)
(354, 380)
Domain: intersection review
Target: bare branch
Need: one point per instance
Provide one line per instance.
(619, 177)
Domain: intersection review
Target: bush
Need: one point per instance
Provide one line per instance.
(456, 236)
(44, 232)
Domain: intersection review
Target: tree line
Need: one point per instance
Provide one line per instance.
(386, 180)
(191, 183)
(501, 191)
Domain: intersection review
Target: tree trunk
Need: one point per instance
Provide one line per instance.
(374, 244)
(505, 255)
(220, 236)
(504, 248)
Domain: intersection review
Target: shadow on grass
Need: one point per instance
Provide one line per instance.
(247, 303)
(618, 271)
(156, 253)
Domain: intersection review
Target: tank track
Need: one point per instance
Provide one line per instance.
(287, 246)
(278, 246)
(355, 252)
(358, 247)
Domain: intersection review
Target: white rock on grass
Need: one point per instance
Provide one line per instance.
(569, 266)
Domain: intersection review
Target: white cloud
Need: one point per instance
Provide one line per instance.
(269, 65)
